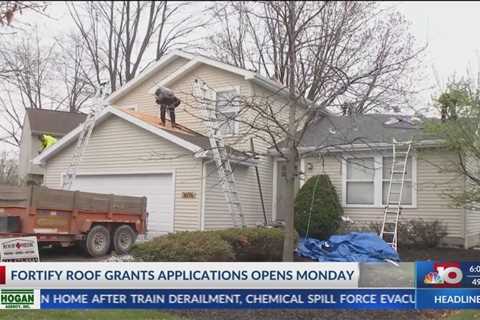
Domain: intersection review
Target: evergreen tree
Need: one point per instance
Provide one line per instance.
(317, 208)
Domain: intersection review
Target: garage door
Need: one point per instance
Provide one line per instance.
(158, 188)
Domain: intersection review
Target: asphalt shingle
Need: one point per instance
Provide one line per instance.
(363, 129)
(57, 123)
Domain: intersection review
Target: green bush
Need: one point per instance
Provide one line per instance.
(254, 244)
(326, 210)
(185, 246)
(247, 244)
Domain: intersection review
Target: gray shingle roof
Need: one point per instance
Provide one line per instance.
(57, 123)
(364, 129)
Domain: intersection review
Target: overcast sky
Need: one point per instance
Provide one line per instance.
(450, 29)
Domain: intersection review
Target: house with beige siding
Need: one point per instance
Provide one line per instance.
(356, 153)
(131, 153)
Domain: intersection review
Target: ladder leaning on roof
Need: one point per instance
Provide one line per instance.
(83, 138)
(393, 208)
(206, 97)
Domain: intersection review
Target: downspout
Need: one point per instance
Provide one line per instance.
(202, 194)
(257, 173)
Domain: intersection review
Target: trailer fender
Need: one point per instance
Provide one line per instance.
(86, 225)
(138, 226)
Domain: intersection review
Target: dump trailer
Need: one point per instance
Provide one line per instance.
(97, 222)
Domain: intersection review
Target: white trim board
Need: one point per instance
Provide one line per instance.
(72, 135)
(203, 195)
(274, 191)
(174, 76)
(230, 109)
(135, 82)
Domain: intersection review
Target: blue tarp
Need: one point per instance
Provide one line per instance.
(352, 247)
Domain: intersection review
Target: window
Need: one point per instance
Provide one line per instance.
(407, 186)
(227, 110)
(366, 182)
(360, 181)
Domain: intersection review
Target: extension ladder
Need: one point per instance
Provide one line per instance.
(393, 208)
(220, 155)
(83, 138)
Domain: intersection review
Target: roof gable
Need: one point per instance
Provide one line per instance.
(193, 61)
(54, 122)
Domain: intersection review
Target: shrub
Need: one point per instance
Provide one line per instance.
(185, 246)
(247, 244)
(318, 195)
(254, 244)
(425, 234)
(351, 226)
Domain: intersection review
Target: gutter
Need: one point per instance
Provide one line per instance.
(207, 154)
(358, 147)
(56, 134)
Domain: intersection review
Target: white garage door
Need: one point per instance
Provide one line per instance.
(158, 188)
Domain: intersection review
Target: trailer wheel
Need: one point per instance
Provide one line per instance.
(98, 241)
(123, 239)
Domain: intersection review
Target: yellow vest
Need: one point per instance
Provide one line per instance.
(48, 141)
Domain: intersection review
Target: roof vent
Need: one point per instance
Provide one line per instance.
(332, 131)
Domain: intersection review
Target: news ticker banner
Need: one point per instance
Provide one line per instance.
(327, 285)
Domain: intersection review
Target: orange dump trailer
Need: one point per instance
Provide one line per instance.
(98, 222)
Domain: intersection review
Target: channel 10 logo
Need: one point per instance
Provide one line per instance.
(445, 275)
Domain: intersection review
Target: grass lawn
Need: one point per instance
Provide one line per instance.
(464, 315)
(85, 315)
(236, 315)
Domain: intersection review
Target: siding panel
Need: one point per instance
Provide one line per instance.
(118, 146)
(188, 114)
(472, 211)
(433, 185)
(140, 97)
(217, 215)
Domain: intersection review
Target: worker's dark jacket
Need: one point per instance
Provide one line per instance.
(165, 97)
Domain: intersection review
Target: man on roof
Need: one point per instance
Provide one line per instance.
(167, 101)
(47, 141)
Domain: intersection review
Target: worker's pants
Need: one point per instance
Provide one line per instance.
(171, 111)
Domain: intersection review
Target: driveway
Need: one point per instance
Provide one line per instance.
(67, 254)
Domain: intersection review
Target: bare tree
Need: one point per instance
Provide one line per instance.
(357, 48)
(9, 169)
(8, 9)
(118, 35)
(322, 55)
(74, 73)
(459, 106)
(29, 85)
